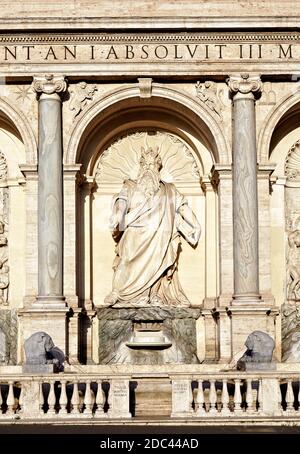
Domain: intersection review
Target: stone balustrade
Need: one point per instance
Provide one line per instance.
(202, 397)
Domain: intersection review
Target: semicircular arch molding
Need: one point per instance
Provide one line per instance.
(270, 123)
(23, 127)
(178, 101)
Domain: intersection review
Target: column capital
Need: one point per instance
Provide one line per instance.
(49, 84)
(221, 172)
(71, 172)
(208, 183)
(244, 86)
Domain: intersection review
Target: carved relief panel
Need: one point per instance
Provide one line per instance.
(292, 171)
(291, 308)
(4, 223)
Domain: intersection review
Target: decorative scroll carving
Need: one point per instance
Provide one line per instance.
(244, 84)
(49, 84)
(120, 161)
(4, 210)
(207, 93)
(81, 94)
(145, 86)
(292, 163)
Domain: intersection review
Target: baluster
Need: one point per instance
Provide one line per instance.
(225, 411)
(191, 398)
(41, 399)
(51, 399)
(109, 397)
(237, 397)
(1, 401)
(10, 401)
(280, 408)
(251, 404)
(260, 397)
(212, 398)
(200, 409)
(75, 402)
(289, 397)
(20, 402)
(63, 400)
(298, 397)
(100, 400)
(88, 400)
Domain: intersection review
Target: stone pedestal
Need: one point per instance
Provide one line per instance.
(30, 407)
(53, 322)
(181, 398)
(256, 366)
(119, 399)
(176, 325)
(270, 397)
(246, 319)
(38, 369)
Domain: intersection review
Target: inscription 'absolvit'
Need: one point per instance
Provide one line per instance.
(142, 52)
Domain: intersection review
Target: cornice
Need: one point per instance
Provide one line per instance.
(150, 23)
(154, 37)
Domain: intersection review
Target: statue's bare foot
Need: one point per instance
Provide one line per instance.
(156, 300)
(111, 299)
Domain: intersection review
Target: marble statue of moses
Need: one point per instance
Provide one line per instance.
(149, 217)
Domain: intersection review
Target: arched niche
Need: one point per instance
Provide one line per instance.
(12, 214)
(114, 140)
(115, 107)
(284, 154)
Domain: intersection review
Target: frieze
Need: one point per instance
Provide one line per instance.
(144, 54)
(183, 52)
(64, 38)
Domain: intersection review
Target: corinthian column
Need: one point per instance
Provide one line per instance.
(50, 191)
(245, 206)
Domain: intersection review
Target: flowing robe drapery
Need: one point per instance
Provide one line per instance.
(146, 255)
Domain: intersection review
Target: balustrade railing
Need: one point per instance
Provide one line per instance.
(239, 395)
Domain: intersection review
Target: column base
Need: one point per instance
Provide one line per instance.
(250, 299)
(49, 303)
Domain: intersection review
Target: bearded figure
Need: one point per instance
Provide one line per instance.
(149, 218)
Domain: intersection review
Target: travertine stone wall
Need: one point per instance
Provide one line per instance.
(175, 84)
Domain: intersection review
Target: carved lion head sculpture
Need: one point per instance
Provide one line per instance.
(36, 348)
(260, 346)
